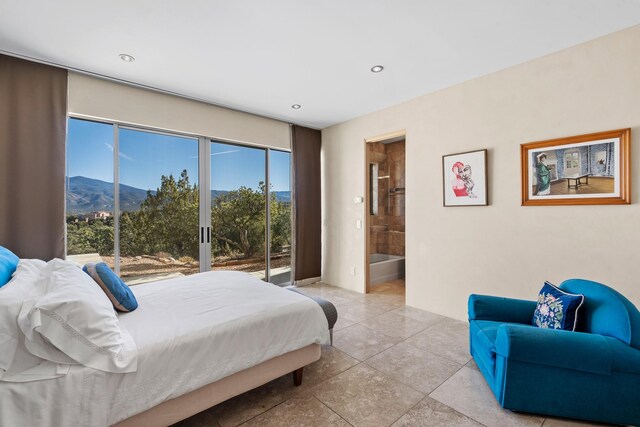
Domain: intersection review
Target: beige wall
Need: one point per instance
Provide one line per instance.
(503, 249)
(103, 99)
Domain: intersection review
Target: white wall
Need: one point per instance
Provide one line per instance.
(503, 249)
(103, 99)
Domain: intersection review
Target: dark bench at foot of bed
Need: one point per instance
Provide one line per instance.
(329, 311)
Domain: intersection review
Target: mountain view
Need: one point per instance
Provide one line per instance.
(92, 195)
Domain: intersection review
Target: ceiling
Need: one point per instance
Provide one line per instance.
(264, 56)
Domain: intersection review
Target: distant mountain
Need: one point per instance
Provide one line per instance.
(283, 196)
(90, 195)
(217, 193)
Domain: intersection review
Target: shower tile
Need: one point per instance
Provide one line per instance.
(377, 157)
(396, 250)
(377, 147)
(396, 238)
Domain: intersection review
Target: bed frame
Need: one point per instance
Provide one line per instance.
(189, 404)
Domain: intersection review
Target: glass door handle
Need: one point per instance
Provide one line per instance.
(208, 234)
(201, 234)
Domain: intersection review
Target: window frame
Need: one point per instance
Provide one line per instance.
(204, 183)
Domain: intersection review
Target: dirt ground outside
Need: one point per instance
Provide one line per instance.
(143, 265)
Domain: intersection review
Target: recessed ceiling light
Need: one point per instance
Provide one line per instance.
(377, 68)
(127, 58)
(296, 106)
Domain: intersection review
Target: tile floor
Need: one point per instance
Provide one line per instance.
(390, 365)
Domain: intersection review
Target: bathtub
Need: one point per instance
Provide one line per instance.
(383, 268)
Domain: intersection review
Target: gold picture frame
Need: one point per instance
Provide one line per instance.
(592, 169)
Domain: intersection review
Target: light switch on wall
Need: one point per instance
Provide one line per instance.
(358, 223)
(358, 199)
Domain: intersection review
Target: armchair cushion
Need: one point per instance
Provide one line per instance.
(554, 347)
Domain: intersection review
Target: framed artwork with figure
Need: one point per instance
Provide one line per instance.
(591, 169)
(464, 177)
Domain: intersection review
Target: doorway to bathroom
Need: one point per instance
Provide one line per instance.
(385, 214)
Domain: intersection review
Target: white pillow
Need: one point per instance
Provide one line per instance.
(11, 296)
(68, 315)
(17, 364)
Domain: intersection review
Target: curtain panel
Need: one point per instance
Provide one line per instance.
(33, 117)
(305, 150)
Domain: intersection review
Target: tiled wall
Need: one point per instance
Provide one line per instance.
(387, 228)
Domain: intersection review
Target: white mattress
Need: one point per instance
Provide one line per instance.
(190, 331)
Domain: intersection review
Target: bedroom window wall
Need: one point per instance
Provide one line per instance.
(182, 205)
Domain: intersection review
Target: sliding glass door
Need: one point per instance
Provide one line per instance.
(280, 217)
(238, 209)
(181, 204)
(159, 205)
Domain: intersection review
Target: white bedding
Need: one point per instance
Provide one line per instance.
(190, 331)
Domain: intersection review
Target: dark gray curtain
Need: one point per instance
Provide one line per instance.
(33, 111)
(305, 149)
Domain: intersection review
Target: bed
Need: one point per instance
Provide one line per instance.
(200, 340)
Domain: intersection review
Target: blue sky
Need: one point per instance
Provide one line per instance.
(145, 157)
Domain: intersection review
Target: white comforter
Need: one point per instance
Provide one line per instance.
(190, 331)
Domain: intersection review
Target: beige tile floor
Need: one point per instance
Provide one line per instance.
(390, 365)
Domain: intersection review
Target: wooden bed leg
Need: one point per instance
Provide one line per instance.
(297, 376)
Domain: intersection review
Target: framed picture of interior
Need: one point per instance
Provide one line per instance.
(464, 178)
(591, 169)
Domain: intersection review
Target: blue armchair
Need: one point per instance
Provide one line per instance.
(592, 375)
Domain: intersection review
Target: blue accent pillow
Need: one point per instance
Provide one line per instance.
(8, 264)
(118, 292)
(557, 309)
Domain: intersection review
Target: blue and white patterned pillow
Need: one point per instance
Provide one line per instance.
(557, 309)
(118, 292)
